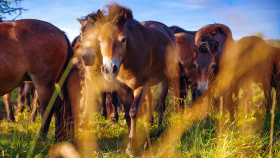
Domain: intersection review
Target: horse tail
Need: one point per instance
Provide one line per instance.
(70, 95)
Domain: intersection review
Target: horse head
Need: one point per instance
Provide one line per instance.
(113, 39)
(205, 64)
(88, 36)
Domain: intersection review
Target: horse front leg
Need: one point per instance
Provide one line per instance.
(115, 102)
(138, 100)
(103, 106)
(163, 89)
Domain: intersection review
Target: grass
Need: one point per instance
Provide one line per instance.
(200, 140)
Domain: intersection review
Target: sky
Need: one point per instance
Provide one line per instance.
(243, 17)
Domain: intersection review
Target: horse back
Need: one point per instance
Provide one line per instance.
(159, 27)
(31, 48)
(177, 29)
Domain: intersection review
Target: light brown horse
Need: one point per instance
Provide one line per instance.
(107, 107)
(257, 63)
(211, 41)
(138, 56)
(37, 51)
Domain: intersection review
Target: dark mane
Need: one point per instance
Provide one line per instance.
(204, 47)
(91, 19)
(117, 15)
(209, 31)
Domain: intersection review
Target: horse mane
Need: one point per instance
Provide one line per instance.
(209, 31)
(91, 19)
(204, 47)
(117, 15)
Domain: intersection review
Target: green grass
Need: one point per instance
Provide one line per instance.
(198, 141)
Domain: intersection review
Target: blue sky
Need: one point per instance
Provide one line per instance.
(244, 17)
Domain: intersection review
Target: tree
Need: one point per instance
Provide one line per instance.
(10, 7)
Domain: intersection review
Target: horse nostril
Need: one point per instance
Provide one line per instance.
(115, 68)
(198, 92)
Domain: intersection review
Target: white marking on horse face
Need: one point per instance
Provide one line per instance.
(204, 87)
(113, 60)
(87, 44)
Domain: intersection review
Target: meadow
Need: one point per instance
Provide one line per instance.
(199, 140)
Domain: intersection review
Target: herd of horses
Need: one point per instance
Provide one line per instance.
(122, 58)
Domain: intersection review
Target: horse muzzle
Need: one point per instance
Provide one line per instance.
(88, 59)
(110, 71)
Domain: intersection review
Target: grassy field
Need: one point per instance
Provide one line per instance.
(200, 140)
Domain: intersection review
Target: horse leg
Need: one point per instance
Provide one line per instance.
(138, 100)
(163, 89)
(126, 96)
(20, 99)
(35, 105)
(90, 101)
(74, 94)
(7, 101)
(44, 95)
(149, 105)
(103, 102)
(115, 105)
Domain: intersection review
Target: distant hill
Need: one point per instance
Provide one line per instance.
(273, 42)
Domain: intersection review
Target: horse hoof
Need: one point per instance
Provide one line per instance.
(115, 119)
(130, 151)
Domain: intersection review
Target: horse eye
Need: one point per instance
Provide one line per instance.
(213, 66)
(194, 65)
(123, 39)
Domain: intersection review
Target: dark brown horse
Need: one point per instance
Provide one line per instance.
(177, 29)
(107, 107)
(138, 56)
(185, 54)
(211, 42)
(37, 51)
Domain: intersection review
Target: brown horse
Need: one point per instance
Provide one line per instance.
(211, 41)
(37, 51)
(106, 107)
(257, 63)
(176, 29)
(185, 54)
(136, 55)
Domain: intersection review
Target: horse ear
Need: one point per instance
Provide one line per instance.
(215, 46)
(100, 15)
(82, 21)
(122, 18)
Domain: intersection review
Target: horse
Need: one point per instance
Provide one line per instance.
(107, 107)
(25, 91)
(211, 41)
(136, 55)
(176, 29)
(258, 63)
(37, 51)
